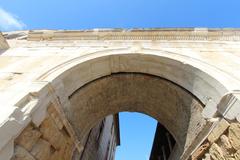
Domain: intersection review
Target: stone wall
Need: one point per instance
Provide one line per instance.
(223, 143)
(49, 141)
(203, 62)
(52, 141)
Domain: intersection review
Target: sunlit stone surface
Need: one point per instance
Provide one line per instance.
(66, 82)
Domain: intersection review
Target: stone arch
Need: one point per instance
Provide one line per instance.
(201, 80)
(203, 84)
(192, 74)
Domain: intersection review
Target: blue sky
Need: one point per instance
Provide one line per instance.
(79, 14)
(137, 134)
(88, 14)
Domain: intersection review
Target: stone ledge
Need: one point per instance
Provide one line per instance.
(199, 34)
(229, 106)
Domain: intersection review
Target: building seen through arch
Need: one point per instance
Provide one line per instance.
(163, 144)
(57, 85)
(102, 140)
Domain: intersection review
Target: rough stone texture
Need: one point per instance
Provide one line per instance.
(207, 157)
(52, 112)
(41, 150)
(218, 131)
(216, 152)
(22, 154)
(237, 155)
(234, 135)
(225, 146)
(201, 151)
(141, 93)
(225, 143)
(53, 136)
(49, 141)
(28, 137)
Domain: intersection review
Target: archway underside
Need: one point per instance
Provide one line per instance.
(175, 108)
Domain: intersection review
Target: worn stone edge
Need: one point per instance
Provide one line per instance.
(26, 110)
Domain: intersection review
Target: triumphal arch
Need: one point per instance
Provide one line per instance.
(56, 85)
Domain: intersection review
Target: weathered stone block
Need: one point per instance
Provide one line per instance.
(226, 147)
(51, 133)
(207, 157)
(22, 154)
(41, 150)
(66, 152)
(224, 142)
(54, 115)
(28, 138)
(218, 131)
(200, 151)
(216, 152)
(55, 156)
(237, 155)
(231, 100)
(234, 135)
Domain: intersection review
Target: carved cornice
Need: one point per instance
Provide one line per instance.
(199, 34)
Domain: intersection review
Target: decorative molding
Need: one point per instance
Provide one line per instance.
(229, 106)
(199, 34)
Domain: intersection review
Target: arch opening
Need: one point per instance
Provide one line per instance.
(202, 83)
(140, 135)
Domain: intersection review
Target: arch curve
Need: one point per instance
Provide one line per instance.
(192, 74)
(166, 102)
(186, 83)
(203, 82)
